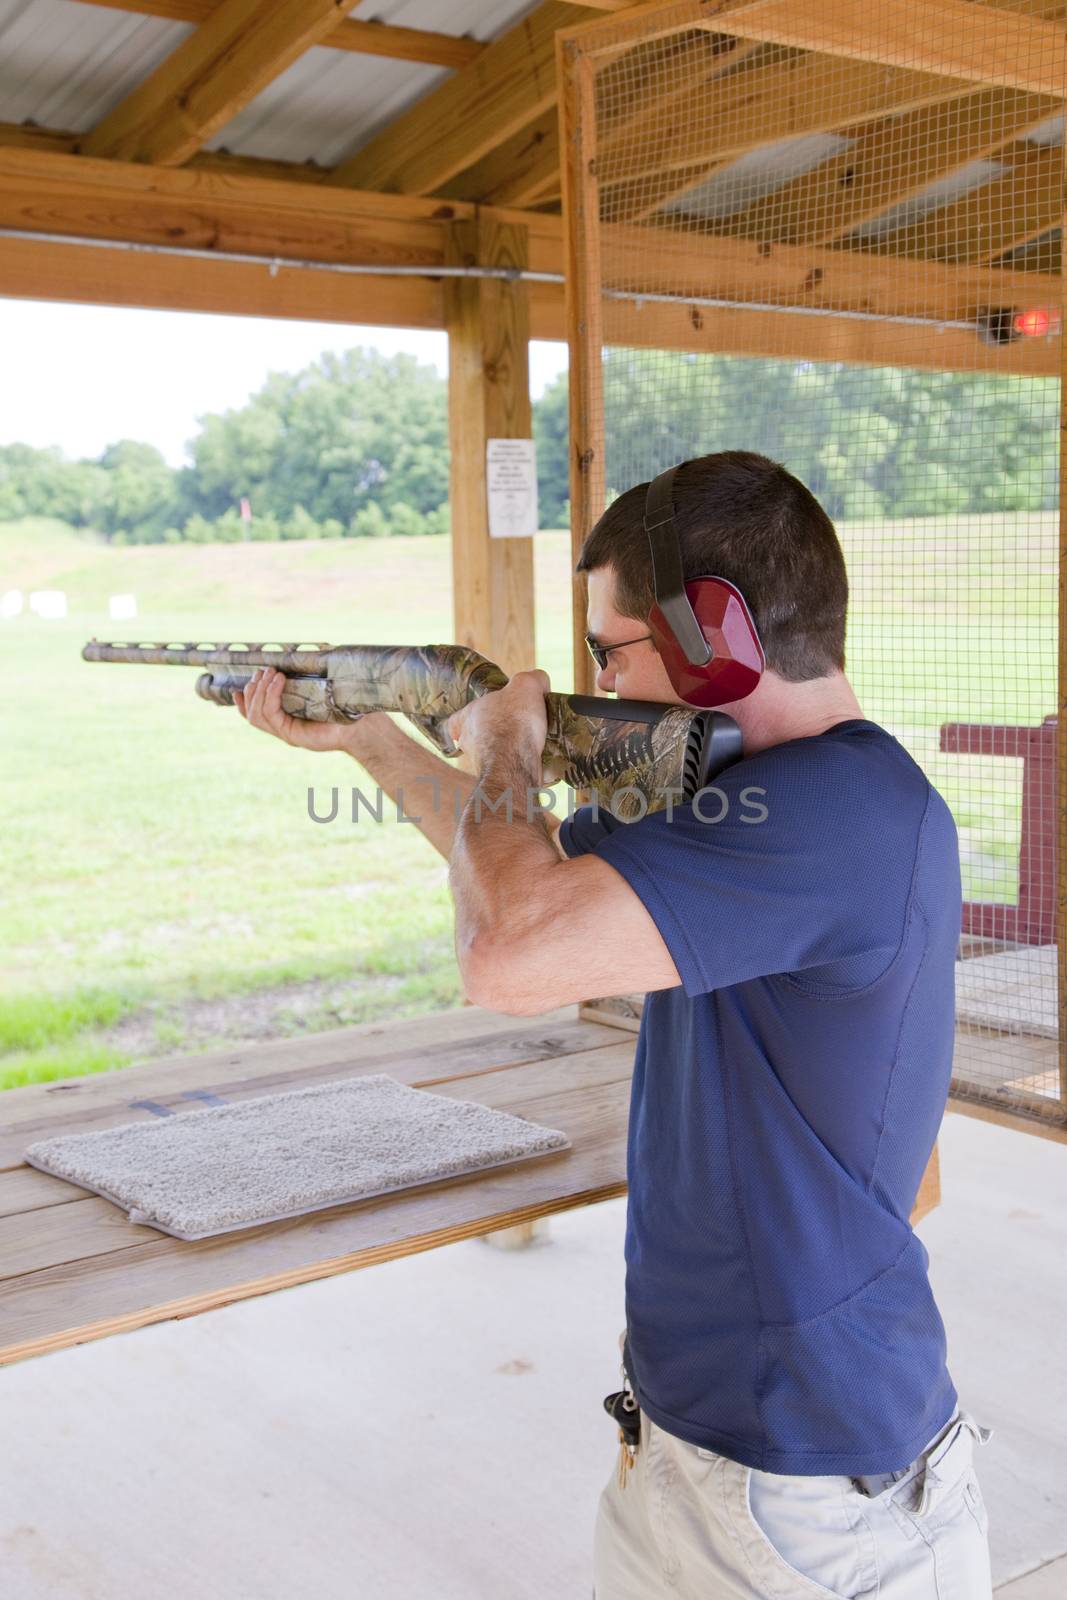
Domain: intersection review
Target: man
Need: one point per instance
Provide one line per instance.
(799, 1431)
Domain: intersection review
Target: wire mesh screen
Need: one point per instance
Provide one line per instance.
(832, 234)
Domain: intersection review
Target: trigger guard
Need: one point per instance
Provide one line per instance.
(436, 730)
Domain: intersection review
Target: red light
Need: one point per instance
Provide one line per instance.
(1034, 324)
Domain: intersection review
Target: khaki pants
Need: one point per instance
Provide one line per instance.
(692, 1525)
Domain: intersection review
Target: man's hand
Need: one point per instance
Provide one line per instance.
(261, 705)
(512, 722)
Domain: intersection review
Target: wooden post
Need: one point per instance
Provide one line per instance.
(581, 238)
(488, 398)
(488, 322)
(1061, 723)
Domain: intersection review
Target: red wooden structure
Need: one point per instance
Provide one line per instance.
(1032, 920)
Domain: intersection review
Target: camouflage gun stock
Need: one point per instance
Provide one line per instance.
(632, 754)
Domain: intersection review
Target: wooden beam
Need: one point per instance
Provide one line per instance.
(206, 209)
(767, 103)
(693, 80)
(1043, 255)
(27, 136)
(786, 337)
(525, 170)
(86, 275)
(688, 264)
(953, 38)
(455, 125)
(889, 162)
(985, 223)
(364, 38)
(488, 398)
(764, 105)
(585, 309)
(81, 274)
(521, 171)
(243, 46)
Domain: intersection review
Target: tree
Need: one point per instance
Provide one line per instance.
(349, 431)
(357, 444)
(141, 495)
(553, 454)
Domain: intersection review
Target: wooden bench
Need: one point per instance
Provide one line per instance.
(73, 1268)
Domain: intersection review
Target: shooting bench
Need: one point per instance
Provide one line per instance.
(73, 1268)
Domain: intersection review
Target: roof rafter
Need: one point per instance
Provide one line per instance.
(243, 46)
(525, 169)
(365, 38)
(959, 39)
(805, 93)
(522, 171)
(985, 223)
(28, 136)
(510, 85)
(955, 38)
(890, 162)
(766, 105)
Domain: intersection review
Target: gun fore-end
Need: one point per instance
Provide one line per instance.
(325, 683)
(308, 699)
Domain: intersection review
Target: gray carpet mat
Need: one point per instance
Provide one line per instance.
(199, 1173)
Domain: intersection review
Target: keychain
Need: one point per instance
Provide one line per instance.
(623, 1408)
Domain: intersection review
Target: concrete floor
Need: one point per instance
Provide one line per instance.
(432, 1429)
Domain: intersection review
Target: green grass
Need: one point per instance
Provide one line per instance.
(46, 1066)
(157, 850)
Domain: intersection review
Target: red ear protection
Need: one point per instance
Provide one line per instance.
(703, 629)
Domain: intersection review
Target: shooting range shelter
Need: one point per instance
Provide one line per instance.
(831, 188)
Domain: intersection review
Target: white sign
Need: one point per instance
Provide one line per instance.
(48, 602)
(511, 485)
(11, 604)
(121, 607)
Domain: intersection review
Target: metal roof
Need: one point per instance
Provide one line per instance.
(65, 65)
(330, 103)
(757, 174)
(734, 187)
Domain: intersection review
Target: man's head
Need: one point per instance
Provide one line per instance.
(741, 517)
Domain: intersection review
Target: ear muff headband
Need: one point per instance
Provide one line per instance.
(667, 579)
(702, 629)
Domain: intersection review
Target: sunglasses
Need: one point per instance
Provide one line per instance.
(601, 652)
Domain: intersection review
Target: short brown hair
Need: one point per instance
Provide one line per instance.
(745, 518)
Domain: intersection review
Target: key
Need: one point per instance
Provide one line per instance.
(623, 1408)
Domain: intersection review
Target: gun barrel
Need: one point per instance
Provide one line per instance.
(289, 658)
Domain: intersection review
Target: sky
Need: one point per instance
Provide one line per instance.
(81, 377)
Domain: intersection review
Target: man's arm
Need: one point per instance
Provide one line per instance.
(434, 790)
(534, 931)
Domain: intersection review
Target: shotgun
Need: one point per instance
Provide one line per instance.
(635, 756)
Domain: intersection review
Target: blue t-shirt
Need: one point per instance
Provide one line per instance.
(785, 1101)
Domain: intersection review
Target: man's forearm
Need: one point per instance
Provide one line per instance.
(502, 852)
(434, 790)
